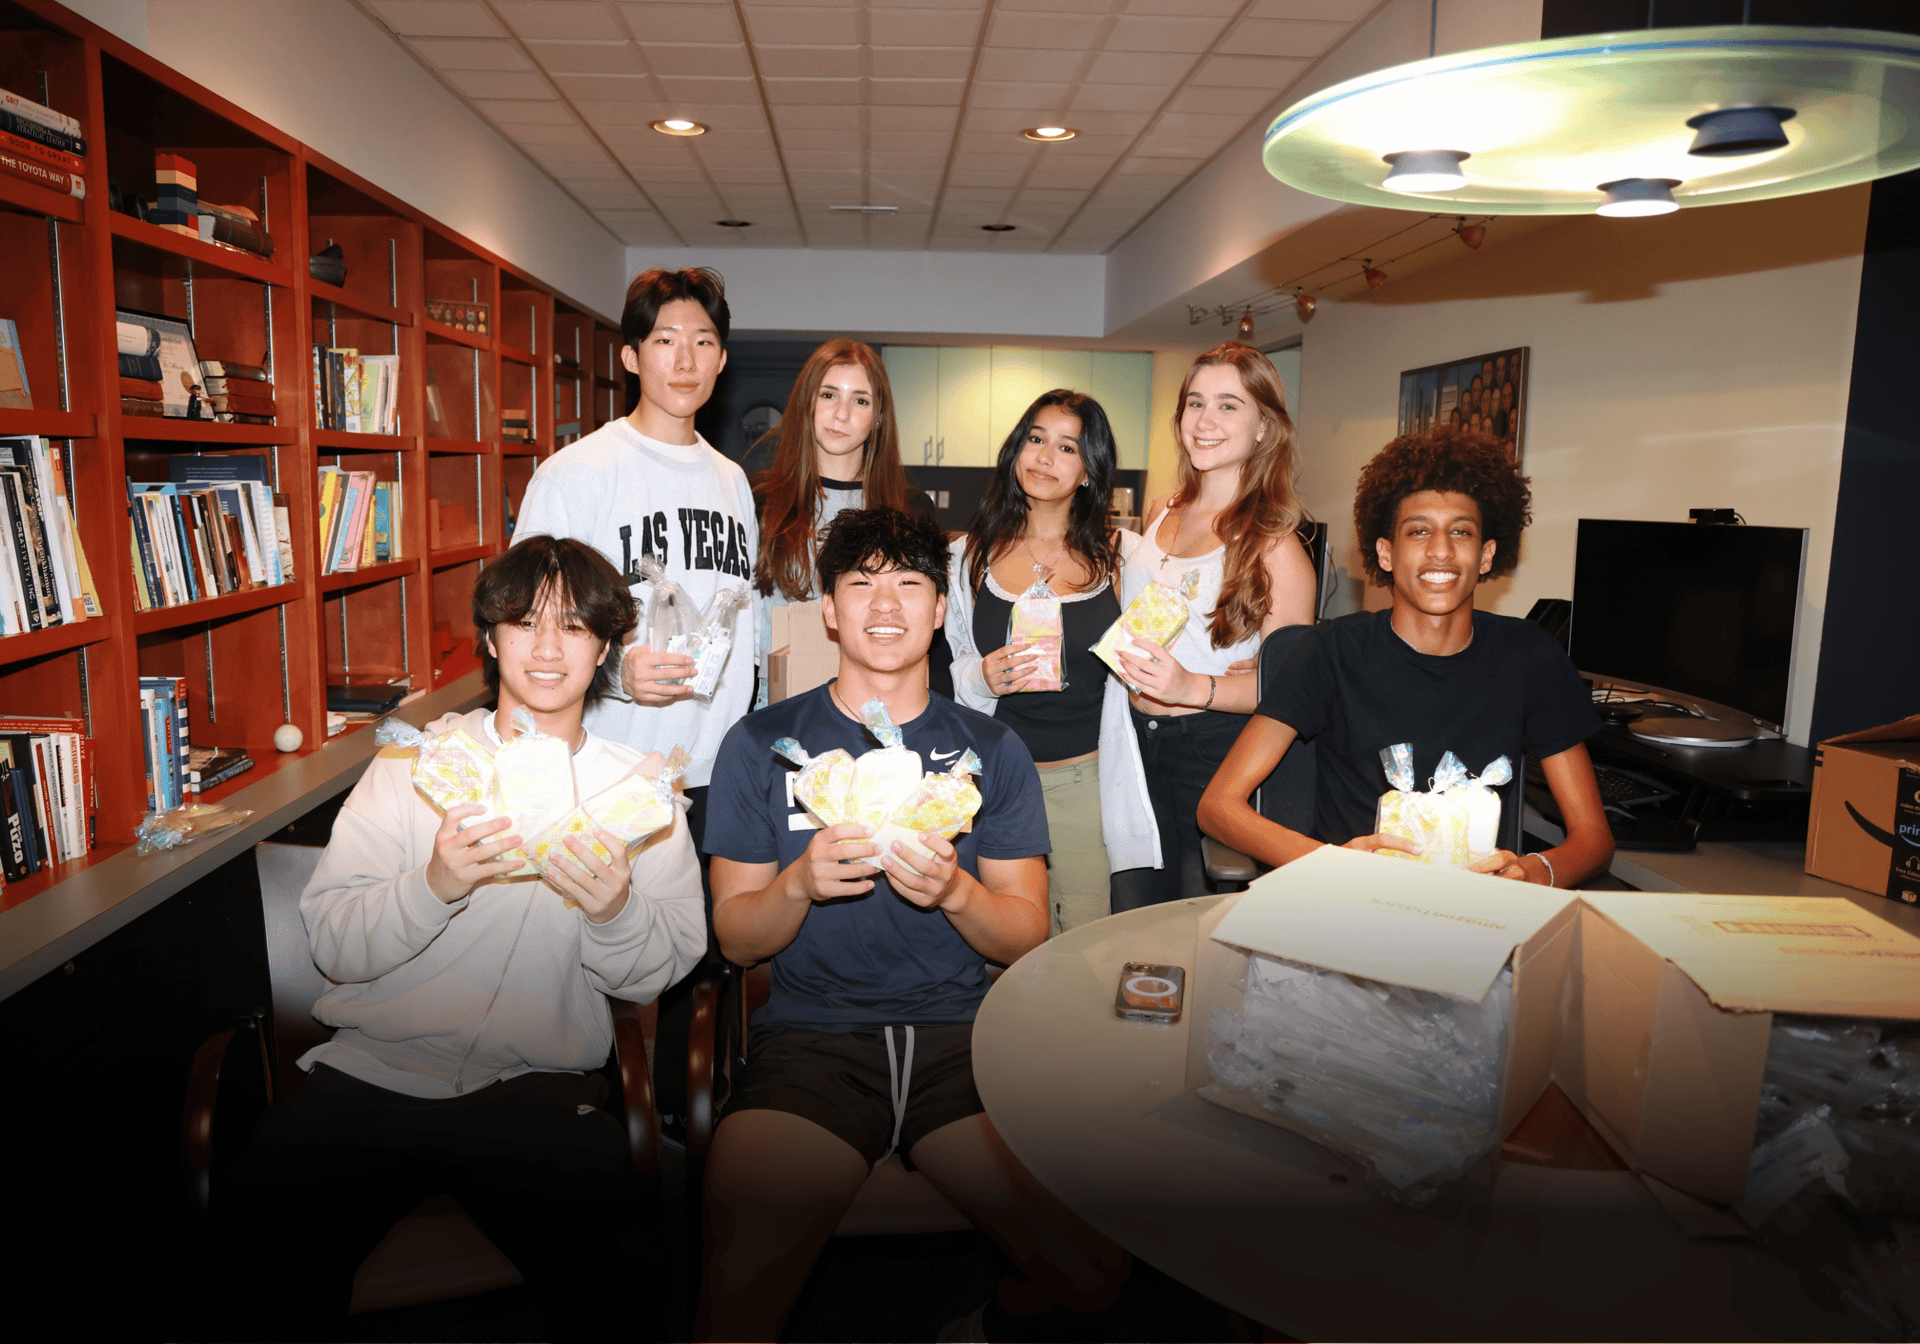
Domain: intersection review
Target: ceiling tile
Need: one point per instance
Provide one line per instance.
(560, 18)
(897, 118)
(470, 53)
(1248, 72)
(1145, 70)
(1179, 146)
(601, 170)
(889, 27)
(917, 92)
(606, 114)
(1282, 37)
(1344, 11)
(824, 158)
(694, 91)
(893, 164)
(823, 137)
(677, 21)
(1201, 98)
(588, 58)
(1043, 31)
(983, 177)
(781, 91)
(437, 18)
(1218, 125)
(508, 111)
(587, 152)
(921, 62)
(907, 142)
(678, 61)
(804, 26)
(1038, 98)
(1212, 8)
(1107, 98)
(549, 135)
(610, 195)
(1012, 64)
(1048, 199)
(679, 172)
(811, 62)
(1189, 33)
(502, 84)
(816, 116)
(628, 88)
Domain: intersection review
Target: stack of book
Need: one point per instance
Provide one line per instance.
(357, 393)
(515, 425)
(177, 184)
(41, 146)
(44, 576)
(216, 527)
(360, 519)
(209, 766)
(164, 725)
(47, 801)
(140, 371)
(238, 393)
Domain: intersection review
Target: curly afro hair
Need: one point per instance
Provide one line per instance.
(1455, 462)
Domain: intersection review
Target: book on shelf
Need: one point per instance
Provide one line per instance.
(356, 393)
(370, 694)
(197, 539)
(50, 792)
(515, 425)
(22, 106)
(29, 169)
(164, 718)
(233, 226)
(349, 536)
(44, 578)
(15, 393)
(230, 368)
(14, 122)
(210, 766)
(249, 498)
(142, 389)
(30, 148)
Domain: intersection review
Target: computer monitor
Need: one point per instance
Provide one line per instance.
(1699, 610)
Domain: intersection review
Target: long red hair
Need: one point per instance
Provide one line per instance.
(788, 492)
(1265, 513)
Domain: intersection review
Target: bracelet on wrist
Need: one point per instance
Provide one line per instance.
(1213, 689)
(1548, 863)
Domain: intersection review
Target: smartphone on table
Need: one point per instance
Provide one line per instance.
(1150, 993)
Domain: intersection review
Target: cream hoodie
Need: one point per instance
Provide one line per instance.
(437, 1000)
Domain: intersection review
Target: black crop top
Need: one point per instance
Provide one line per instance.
(1055, 725)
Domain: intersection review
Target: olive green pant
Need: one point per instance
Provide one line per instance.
(1077, 875)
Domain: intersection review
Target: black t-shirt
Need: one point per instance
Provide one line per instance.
(876, 959)
(1354, 687)
(1055, 725)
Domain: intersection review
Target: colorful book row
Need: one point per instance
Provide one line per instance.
(216, 527)
(359, 519)
(44, 577)
(47, 799)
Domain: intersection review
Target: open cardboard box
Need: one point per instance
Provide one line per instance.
(1667, 1041)
(1406, 924)
(803, 655)
(1864, 830)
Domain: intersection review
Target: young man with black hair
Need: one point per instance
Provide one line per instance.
(879, 964)
(1435, 513)
(471, 1008)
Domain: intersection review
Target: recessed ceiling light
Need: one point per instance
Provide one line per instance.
(1050, 134)
(997, 228)
(678, 126)
(734, 223)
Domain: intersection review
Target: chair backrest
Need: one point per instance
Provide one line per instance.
(1288, 795)
(285, 871)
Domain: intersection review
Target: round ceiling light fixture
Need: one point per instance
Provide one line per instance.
(1050, 135)
(1425, 170)
(678, 126)
(1471, 234)
(996, 228)
(1304, 303)
(1545, 121)
(1246, 326)
(734, 223)
(1637, 197)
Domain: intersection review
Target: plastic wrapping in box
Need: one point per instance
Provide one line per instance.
(1158, 613)
(1456, 822)
(1405, 1080)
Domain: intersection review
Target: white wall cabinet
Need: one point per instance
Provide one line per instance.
(955, 405)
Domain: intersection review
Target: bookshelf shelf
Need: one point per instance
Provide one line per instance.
(460, 555)
(47, 878)
(518, 355)
(51, 424)
(522, 450)
(440, 331)
(566, 374)
(607, 384)
(54, 639)
(371, 574)
(468, 446)
(189, 614)
(322, 292)
(366, 443)
(154, 428)
(196, 254)
(28, 199)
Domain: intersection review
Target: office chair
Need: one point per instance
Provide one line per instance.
(1286, 796)
(436, 1252)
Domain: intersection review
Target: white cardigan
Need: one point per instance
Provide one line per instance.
(1126, 813)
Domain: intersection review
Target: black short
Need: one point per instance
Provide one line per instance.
(840, 1081)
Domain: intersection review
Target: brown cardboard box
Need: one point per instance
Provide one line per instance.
(799, 627)
(1405, 924)
(789, 673)
(1866, 810)
(1667, 1042)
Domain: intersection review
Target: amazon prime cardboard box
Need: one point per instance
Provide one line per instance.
(1668, 1038)
(1865, 827)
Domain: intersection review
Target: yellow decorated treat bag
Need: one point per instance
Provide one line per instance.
(942, 803)
(1456, 822)
(1036, 625)
(824, 782)
(1159, 613)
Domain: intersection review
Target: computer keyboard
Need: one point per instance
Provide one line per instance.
(1619, 788)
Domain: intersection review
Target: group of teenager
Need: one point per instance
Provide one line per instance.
(470, 1008)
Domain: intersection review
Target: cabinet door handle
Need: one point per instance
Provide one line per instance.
(926, 452)
(940, 452)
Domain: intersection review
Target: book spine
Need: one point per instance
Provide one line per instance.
(45, 821)
(59, 751)
(23, 806)
(40, 112)
(239, 767)
(21, 560)
(32, 170)
(147, 750)
(283, 535)
(143, 553)
(180, 745)
(166, 721)
(33, 149)
(13, 846)
(260, 500)
(53, 528)
(39, 545)
(41, 133)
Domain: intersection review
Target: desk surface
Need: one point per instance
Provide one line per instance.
(1283, 1232)
(39, 934)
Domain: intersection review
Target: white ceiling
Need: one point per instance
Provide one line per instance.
(911, 103)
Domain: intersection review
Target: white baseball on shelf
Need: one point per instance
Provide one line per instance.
(288, 737)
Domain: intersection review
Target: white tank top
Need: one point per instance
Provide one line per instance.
(1194, 645)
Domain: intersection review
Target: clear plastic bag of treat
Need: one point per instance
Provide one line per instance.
(449, 768)
(824, 782)
(944, 804)
(712, 642)
(1406, 1081)
(1456, 821)
(1158, 613)
(1035, 625)
(885, 776)
(528, 778)
(630, 809)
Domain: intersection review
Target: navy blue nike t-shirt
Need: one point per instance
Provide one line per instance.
(876, 959)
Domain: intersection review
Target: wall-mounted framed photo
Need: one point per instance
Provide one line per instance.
(1482, 394)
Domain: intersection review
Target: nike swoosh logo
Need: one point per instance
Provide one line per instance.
(944, 755)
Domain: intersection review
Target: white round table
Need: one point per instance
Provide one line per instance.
(1284, 1232)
